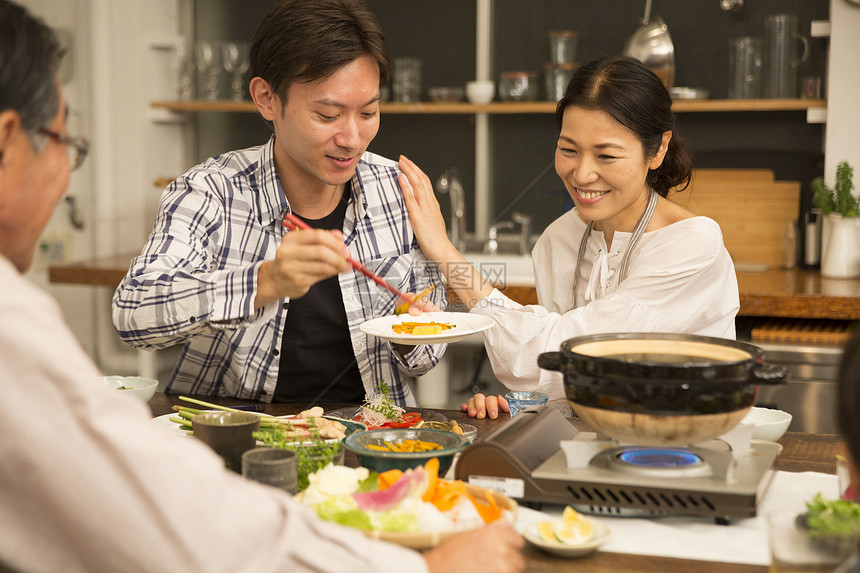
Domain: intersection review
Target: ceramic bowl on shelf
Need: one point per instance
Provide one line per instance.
(480, 91)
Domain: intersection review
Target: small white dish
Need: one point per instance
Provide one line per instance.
(481, 91)
(465, 324)
(602, 534)
(768, 424)
(143, 388)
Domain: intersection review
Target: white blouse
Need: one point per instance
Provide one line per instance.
(681, 279)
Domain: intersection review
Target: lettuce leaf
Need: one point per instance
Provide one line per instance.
(333, 511)
(397, 520)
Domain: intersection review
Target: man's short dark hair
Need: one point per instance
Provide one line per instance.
(29, 59)
(309, 40)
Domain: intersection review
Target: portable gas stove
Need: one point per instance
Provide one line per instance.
(540, 457)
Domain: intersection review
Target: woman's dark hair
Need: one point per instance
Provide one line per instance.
(636, 98)
(848, 391)
(309, 40)
(30, 56)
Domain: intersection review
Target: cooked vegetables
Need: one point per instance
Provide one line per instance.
(404, 308)
(421, 328)
(406, 446)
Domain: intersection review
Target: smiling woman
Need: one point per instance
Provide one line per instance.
(624, 260)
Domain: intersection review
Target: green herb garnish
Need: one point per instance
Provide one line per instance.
(381, 402)
(310, 457)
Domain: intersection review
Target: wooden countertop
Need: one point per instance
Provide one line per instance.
(778, 293)
(801, 452)
(107, 271)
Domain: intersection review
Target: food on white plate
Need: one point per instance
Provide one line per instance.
(421, 328)
(298, 428)
(379, 411)
(402, 502)
(301, 426)
(572, 529)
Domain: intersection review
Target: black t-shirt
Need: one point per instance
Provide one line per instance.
(317, 362)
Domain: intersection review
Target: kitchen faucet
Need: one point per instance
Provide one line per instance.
(525, 223)
(448, 183)
(492, 246)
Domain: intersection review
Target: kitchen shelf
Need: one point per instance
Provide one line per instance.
(542, 107)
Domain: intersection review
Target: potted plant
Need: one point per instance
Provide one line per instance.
(840, 256)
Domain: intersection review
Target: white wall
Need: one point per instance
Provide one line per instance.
(120, 62)
(842, 137)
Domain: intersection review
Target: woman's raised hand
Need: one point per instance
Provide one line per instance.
(424, 212)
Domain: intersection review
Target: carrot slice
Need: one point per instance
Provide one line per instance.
(431, 468)
(447, 494)
(489, 510)
(386, 479)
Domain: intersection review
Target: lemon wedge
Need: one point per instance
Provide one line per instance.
(573, 529)
(546, 530)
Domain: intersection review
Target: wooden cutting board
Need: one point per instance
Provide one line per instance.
(751, 208)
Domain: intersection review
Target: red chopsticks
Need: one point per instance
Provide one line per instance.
(292, 222)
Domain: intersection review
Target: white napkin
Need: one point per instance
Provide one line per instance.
(699, 537)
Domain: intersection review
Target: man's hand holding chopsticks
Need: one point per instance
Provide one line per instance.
(302, 260)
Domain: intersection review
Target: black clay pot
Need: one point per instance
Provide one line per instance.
(661, 389)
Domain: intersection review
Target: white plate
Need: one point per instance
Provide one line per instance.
(465, 324)
(164, 420)
(601, 536)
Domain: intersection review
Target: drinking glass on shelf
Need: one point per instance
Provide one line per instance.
(236, 62)
(208, 55)
(182, 62)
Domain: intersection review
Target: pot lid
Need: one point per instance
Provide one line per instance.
(660, 350)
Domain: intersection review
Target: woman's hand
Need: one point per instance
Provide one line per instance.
(480, 406)
(420, 303)
(429, 228)
(424, 212)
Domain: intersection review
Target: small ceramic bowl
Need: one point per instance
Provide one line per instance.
(768, 424)
(143, 388)
(230, 434)
(480, 91)
(380, 461)
(602, 534)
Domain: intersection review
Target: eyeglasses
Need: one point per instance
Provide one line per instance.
(76, 147)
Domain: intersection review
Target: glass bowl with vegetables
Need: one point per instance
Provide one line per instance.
(404, 448)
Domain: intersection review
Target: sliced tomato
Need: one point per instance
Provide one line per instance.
(406, 421)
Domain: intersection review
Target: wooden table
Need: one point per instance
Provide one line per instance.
(801, 452)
